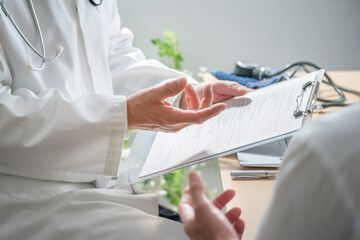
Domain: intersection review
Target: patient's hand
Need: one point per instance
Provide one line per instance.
(204, 219)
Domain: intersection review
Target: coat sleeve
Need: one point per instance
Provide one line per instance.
(46, 136)
(130, 70)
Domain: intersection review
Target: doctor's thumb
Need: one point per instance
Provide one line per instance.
(170, 88)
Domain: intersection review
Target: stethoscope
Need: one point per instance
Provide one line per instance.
(42, 55)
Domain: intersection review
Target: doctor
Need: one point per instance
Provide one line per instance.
(71, 85)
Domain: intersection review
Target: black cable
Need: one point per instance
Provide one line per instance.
(296, 70)
(346, 89)
(329, 81)
(329, 104)
(349, 90)
(306, 70)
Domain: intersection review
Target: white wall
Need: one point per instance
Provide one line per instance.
(217, 33)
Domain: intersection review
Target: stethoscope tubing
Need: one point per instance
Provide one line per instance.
(96, 2)
(59, 49)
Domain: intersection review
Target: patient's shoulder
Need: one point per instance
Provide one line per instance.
(332, 138)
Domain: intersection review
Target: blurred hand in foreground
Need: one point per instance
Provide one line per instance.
(204, 219)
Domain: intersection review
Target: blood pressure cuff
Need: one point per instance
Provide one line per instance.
(248, 82)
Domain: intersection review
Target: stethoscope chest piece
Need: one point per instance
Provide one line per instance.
(96, 2)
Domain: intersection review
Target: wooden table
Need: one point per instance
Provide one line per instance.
(253, 196)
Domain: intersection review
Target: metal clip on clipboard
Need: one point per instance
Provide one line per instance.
(270, 154)
(311, 102)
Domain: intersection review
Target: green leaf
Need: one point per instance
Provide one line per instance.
(169, 47)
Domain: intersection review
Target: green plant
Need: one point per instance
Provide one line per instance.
(128, 142)
(169, 47)
(174, 186)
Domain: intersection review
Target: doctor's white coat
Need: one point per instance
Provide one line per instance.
(62, 129)
(68, 121)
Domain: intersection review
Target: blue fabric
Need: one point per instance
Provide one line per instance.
(248, 82)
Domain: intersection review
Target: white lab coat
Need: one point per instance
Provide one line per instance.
(68, 122)
(63, 128)
(317, 191)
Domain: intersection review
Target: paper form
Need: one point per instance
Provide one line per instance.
(257, 116)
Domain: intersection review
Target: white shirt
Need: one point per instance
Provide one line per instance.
(68, 122)
(317, 194)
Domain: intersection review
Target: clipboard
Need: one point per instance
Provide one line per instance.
(265, 156)
(149, 145)
(270, 155)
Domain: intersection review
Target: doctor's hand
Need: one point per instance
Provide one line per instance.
(148, 109)
(203, 219)
(204, 95)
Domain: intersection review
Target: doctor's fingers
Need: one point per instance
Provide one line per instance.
(168, 89)
(192, 98)
(208, 97)
(203, 91)
(224, 90)
(195, 117)
(230, 87)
